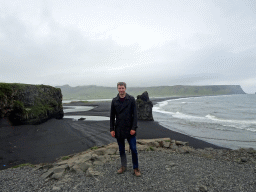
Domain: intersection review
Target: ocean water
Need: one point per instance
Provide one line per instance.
(86, 118)
(68, 109)
(228, 121)
(90, 100)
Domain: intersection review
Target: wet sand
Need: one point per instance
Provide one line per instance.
(48, 141)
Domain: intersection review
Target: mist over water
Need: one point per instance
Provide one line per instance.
(228, 121)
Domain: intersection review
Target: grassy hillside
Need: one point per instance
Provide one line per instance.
(99, 92)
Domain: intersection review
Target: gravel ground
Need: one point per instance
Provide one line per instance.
(161, 171)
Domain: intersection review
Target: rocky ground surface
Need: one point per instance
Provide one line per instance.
(165, 165)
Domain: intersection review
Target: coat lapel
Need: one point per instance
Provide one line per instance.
(123, 105)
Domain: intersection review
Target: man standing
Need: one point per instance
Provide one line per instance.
(123, 125)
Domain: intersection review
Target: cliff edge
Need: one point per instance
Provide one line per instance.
(30, 104)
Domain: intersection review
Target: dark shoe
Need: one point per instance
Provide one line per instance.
(137, 172)
(121, 170)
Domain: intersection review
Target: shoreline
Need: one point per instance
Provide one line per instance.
(46, 142)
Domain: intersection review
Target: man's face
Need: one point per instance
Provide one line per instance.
(121, 89)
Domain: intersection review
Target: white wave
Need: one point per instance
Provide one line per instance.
(186, 116)
(159, 107)
(68, 109)
(222, 129)
(212, 117)
(99, 100)
(90, 100)
(185, 98)
(159, 110)
(163, 103)
(69, 101)
(238, 124)
(178, 114)
(235, 124)
(252, 129)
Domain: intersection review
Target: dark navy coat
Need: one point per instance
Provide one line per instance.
(123, 116)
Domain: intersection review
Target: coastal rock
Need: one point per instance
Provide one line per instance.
(181, 143)
(55, 188)
(203, 188)
(47, 174)
(55, 172)
(142, 147)
(100, 151)
(144, 107)
(251, 151)
(84, 166)
(90, 172)
(86, 162)
(30, 104)
(185, 149)
(111, 151)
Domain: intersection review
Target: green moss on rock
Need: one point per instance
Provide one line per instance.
(30, 104)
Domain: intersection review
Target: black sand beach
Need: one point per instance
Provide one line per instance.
(45, 142)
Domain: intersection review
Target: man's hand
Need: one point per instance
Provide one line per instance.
(132, 132)
(113, 133)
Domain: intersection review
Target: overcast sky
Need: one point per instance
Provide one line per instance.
(141, 42)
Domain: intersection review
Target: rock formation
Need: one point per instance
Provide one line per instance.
(30, 104)
(85, 162)
(144, 107)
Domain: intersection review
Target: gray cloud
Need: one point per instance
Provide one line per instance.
(163, 43)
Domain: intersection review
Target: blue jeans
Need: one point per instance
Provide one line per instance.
(132, 142)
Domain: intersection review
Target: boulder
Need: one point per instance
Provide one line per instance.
(142, 147)
(203, 188)
(166, 144)
(85, 162)
(30, 104)
(144, 107)
(181, 143)
(90, 172)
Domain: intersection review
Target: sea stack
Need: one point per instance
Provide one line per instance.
(144, 107)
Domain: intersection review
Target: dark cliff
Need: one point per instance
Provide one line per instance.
(30, 104)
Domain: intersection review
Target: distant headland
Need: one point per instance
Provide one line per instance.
(100, 92)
